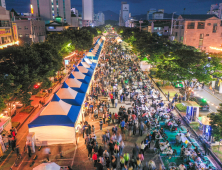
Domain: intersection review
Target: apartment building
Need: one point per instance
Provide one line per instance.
(201, 31)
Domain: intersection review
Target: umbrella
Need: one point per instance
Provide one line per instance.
(47, 166)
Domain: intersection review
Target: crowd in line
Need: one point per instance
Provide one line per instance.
(119, 79)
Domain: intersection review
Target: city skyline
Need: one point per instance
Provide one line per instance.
(139, 6)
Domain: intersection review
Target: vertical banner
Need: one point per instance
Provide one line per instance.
(15, 33)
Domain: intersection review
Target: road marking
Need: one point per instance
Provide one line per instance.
(22, 162)
(75, 152)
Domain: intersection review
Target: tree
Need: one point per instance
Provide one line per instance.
(216, 124)
(183, 65)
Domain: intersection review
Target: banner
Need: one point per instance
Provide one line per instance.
(14, 27)
(5, 32)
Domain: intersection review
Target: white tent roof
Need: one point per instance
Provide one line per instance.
(90, 54)
(88, 60)
(73, 83)
(67, 93)
(78, 75)
(56, 108)
(83, 69)
(86, 65)
(47, 166)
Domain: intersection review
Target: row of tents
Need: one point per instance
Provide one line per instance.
(57, 121)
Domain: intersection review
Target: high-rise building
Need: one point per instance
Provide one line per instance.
(216, 10)
(87, 12)
(99, 19)
(50, 9)
(2, 3)
(124, 14)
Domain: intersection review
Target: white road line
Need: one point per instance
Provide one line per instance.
(75, 152)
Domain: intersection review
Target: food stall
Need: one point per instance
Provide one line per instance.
(205, 128)
(192, 112)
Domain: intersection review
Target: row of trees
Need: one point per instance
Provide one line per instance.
(21, 67)
(177, 62)
(174, 61)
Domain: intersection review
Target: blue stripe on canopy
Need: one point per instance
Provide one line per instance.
(73, 113)
(86, 80)
(52, 120)
(83, 88)
(77, 101)
(55, 98)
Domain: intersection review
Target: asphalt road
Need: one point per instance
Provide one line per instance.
(211, 99)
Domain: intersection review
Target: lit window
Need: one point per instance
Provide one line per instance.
(26, 35)
(20, 35)
(200, 25)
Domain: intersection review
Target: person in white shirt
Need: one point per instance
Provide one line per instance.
(182, 167)
(116, 102)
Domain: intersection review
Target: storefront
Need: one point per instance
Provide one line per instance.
(205, 128)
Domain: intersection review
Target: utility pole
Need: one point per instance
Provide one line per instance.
(140, 24)
(172, 24)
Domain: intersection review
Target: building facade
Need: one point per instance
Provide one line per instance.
(161, 26)
(200, 31)
(31, 31)
(87, 12)
(49, 9)
(8, 29)
(216, 9)
(124, 14)
(2, 3)
(99, 19)
(75, 11)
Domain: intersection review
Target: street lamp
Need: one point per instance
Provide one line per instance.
(172, 23)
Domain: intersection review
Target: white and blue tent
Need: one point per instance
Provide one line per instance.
(70, 96)
(81, 77)
(87, 60)
(88, 72)
(76, 85)
(56, 122)
(85, 64)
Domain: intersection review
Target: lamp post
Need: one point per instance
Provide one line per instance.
(172, 23)
(140, 24)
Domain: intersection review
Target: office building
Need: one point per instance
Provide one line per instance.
(99, 19)
(153, 14)
(150, 13)
(75, 12)
(216, 10)
(8, 29)
(31, 31)
(2, 3)
(87, 13)
(202, 31)
(48, 10)
(124, 14)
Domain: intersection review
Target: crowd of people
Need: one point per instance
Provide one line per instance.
(119, 80)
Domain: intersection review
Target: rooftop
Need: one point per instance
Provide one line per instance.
(198, 16)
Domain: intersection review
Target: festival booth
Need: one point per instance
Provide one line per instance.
(76, 85)
(81, 77)
(70, 96)
(192, 112)
(205, 128)
(56, 123)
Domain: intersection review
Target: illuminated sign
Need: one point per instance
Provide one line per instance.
(5, 32)
(32, 11)
(14, 28)
(215, 48)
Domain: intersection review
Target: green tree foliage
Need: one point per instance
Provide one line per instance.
(216, 124)
(21, 67)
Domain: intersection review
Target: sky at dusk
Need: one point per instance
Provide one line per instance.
(136, 6)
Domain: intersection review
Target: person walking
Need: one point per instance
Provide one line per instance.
(101, 124)
(113, 118)
(122, 125)
(94, 158)
(135, 151)
(17, 149)
(104, 118)
(116, 102)
(89, 148)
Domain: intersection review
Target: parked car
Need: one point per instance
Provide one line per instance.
(202, 102)
(178, 84)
